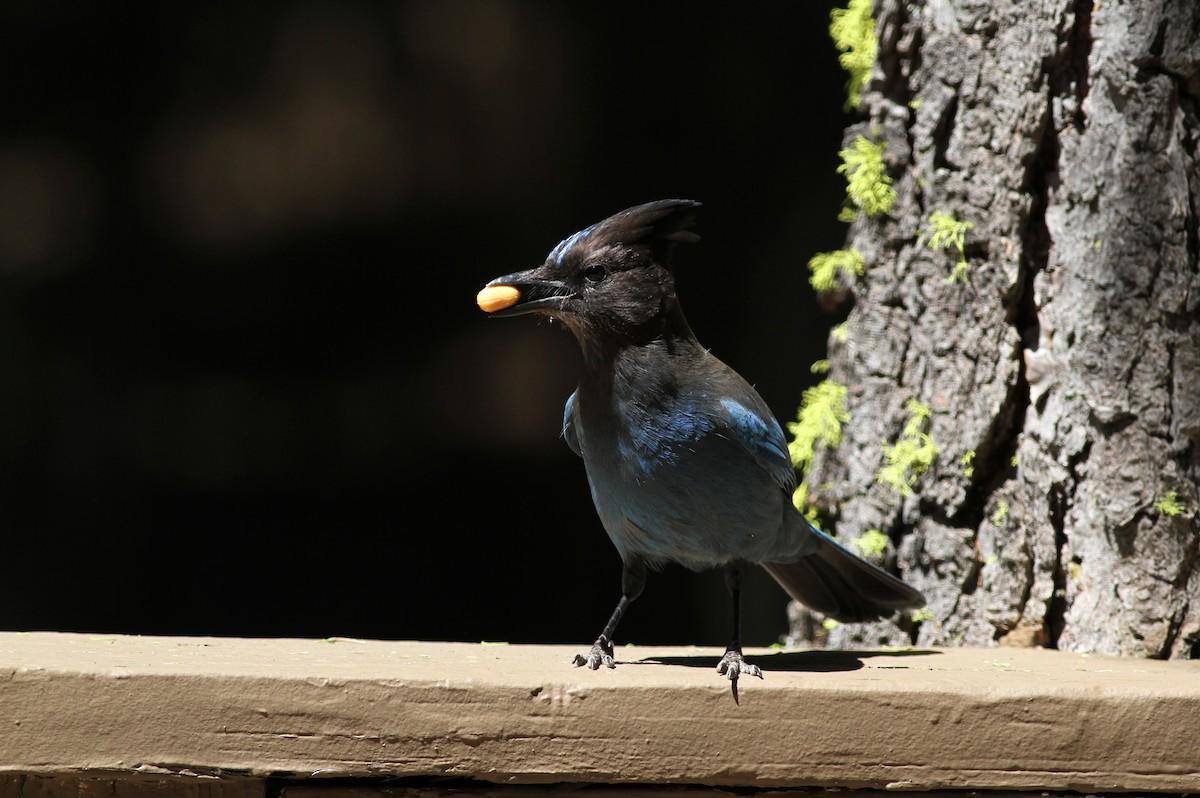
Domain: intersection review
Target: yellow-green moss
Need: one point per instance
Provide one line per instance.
(944, 231)
(913, 452)
(853, 32)
(800, 501)
(819, 421)
(872, 543)
(825, 266)
(923, 614)
(1169, 504)
(868, 185)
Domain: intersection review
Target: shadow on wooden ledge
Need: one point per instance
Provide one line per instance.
(816, 661)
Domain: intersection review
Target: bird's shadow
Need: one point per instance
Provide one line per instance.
(815, 661)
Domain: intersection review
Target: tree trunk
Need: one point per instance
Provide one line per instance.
(1063, 374)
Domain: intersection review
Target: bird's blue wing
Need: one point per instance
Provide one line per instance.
(760, 434)
(569, 433)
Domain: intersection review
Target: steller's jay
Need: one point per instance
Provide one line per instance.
(685, 461)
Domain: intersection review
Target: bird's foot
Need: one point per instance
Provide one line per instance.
(601, 654)
(733, 665)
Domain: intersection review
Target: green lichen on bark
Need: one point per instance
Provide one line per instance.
(853, 32)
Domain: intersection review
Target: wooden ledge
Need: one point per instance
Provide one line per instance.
(1016, 719)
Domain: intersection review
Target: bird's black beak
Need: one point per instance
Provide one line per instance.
(516, 294)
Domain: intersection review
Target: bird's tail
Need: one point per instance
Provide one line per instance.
(838, 583)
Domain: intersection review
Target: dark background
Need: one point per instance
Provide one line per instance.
(244, 387)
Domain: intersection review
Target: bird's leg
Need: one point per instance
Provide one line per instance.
(732, 664)
(602, 649)
(633, 579)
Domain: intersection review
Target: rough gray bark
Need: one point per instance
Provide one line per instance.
(1066, 132)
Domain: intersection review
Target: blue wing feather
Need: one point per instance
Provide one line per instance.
(569, 432)
(763, 438)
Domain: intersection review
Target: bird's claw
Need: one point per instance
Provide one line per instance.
(733, 665)
(601, 654)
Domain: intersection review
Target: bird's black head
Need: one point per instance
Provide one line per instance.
(609, 282)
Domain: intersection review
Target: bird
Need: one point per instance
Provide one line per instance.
(685, 461)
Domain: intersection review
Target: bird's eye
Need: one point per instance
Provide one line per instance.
(595, 273)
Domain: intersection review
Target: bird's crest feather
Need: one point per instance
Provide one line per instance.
(655, 227)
